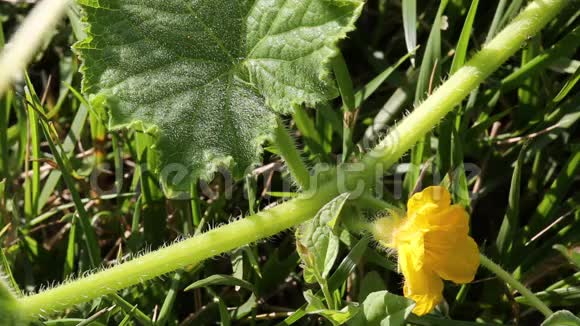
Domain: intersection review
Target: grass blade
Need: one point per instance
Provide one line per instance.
(86, 227)
(221, 280)
(346, 89)
(68, 145)
(409, 8)
(506, 237)
(131, 310)
(169, 301)
(463, 43)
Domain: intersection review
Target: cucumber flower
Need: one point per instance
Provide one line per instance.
(432, 245)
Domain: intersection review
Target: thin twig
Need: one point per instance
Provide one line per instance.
(547, 228)
(432, 77)
(530, 136)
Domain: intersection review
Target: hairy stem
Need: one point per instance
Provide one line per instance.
(176, 256)
(506, 277)
(294, 212)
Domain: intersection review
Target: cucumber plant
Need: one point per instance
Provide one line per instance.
(209, 80)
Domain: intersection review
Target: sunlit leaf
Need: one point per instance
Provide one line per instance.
(384, 309)
(562, 318)
(206, 76)
(316, 242)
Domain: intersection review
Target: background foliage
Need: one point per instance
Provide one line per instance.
(516, 137)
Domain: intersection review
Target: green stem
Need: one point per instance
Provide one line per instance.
(506, 277)
(34, 178)
(195, 205)
(568, 281)
(296, 211)
(327, 295)
(291, 156)
(9, 312)
(6, 104)
(179, 255)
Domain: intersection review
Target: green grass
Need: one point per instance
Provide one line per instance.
(75, 196)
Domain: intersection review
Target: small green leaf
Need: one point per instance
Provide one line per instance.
(338, 277)
(384, 309)
(336, 317)
(203, 75)
(314, 302)
(316, 242)
(562, 318)
(221, 280)
(246, 308)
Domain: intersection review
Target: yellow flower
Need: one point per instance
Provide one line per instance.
(432, 242)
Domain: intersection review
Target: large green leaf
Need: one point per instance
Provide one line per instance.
(203, 74)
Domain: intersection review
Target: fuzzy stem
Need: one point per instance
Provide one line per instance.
(327, 295)
(176, 256)
(294, 212)
(28, 39)
(506, 277)
(291, 156)
(9, 312)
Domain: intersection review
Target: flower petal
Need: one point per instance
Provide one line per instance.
(453, 219)
(422, 285)
(454, 257)
(431, 200)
